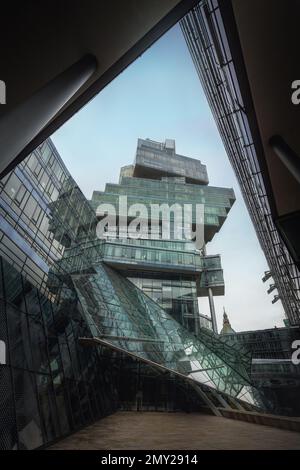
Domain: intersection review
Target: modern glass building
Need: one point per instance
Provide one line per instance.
(212, 43)
(173, 272)
(273, 370)
(90, 325)
(49, 386)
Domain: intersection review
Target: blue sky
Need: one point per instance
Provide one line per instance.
(160, 96)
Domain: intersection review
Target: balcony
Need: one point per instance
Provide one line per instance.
(161, 259)
(143, 258)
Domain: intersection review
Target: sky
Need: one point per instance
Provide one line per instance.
(159, 96)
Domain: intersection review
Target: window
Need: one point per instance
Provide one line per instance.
(13, 185)
(20, 194)
(51, 161)
(37, 170)
(36, 214)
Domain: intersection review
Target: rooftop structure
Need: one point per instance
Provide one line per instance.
(155, 159)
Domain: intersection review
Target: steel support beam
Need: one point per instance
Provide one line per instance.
(212, 311)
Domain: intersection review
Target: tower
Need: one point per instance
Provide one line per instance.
(175, 271)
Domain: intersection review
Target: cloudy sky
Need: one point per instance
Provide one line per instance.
(160, 96)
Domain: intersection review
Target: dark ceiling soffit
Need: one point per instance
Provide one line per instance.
(239, 64)
(293, 219)
(130, 56)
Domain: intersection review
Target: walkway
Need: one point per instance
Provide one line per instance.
(153, 430)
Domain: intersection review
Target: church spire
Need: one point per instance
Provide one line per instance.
(226, 324)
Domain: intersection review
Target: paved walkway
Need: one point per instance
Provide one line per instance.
(153, 430)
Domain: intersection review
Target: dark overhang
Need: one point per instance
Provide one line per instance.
(39, 41)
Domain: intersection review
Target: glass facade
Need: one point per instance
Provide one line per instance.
(182, 273)
(217, 201)
(272, 368)
(121, 314)
(157, 159)
(273, 343)
(84, 333)
(49, 385)
(205, 35)
(171, 274)
(178, 297)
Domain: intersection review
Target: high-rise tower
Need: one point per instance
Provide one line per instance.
(173, 271)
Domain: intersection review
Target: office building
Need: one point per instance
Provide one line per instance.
(273, 370)
(173, 272)
(91, 325)
(235, 73)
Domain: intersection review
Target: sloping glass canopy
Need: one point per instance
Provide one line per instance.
(122, 316)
